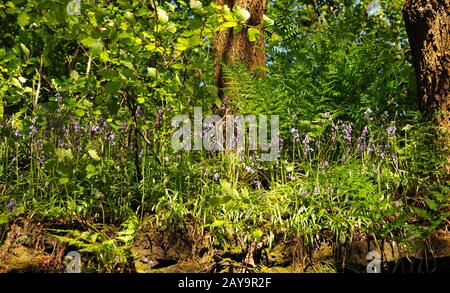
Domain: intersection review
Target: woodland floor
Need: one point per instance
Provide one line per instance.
(29, 247)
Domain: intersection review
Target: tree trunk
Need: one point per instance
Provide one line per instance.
(231, 48)
(428, 27)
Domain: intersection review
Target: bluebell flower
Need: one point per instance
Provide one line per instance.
(306, 144)
(391, 130)
(17, 133)
(347, 130)
(11, 206)
(249, 170)
(40, 160)
(295, 134)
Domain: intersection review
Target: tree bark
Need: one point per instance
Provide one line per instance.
(231, 48)
(428, 27)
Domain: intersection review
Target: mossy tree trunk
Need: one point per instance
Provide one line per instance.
(428, 27)
(231, 48)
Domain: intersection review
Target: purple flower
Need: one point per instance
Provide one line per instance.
(76, 127)
(33, 131)
(295, 134)
(391, 130)
(362, 141)
(159, 113)
(317, 190)
(306, 144)
(111, 138)
(40, 160)
(323, 164)
(57, 97)
(249, 170)
(347, 130)
(139, 112)
(290, 176)
(95, 129)
(371, 146)
(17, 133)
(11, 206)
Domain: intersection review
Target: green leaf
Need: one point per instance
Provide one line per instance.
(63, 181)
(241, 13)
(25, 50)
(74, 75)
(182, 44)
(23, 19)
(93, 154)
(140, 100)
(196, 5)
(113, 87)
(151, 71)
(104, 56)
(229, 24)
(253, 34)
(162, 15)
(80, 112)
(267, 21)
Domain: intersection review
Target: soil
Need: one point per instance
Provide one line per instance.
(28, 246)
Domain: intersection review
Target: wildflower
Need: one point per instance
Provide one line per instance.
(306, 144)
(295, 134)
(111, 138)
(258, 185)
(57, 97)
(317, 190)
(40, 160)
(249, 170)
(371, 146)
(323, 164)
(160, 113)
(214, 177)
(346, 199)
(358, 236)
(290, 176)
(139, 112)
(391, 130)
(39, 145)
(95, 129)
(11, 206)
(33, 131)
(368, 112)
(347, 130)
(362, 141)
(17, 133)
